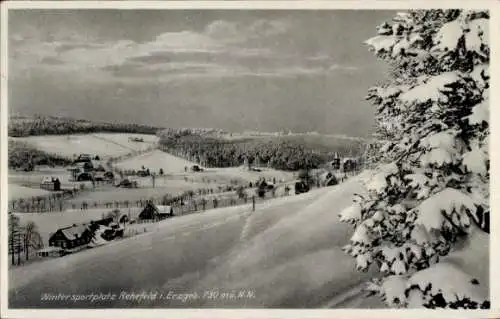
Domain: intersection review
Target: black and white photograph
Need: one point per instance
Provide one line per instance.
(246, 158)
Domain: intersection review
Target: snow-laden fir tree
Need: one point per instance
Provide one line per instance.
(430, 195)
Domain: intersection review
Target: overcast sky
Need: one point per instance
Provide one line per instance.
(237, 70)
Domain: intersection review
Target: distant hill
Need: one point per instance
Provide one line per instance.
(20, 126)
(208, 146)
(283, 152)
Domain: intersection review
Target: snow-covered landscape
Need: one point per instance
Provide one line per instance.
(146, 216)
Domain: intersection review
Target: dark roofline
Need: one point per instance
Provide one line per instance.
(74, 225)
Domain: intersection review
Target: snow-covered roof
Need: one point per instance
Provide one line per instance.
(73, 232)
(163, 208)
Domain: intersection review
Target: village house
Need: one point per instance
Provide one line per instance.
(151, 212)
(71, 237)
(51, 184)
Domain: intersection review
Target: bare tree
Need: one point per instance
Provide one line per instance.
(32, 238)
(13, 235)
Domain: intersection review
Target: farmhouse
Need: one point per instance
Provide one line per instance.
(151, 212)
(51, 184)
(71, 237)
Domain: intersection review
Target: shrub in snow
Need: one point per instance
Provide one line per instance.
(432, 185)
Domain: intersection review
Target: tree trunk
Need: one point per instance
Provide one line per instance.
(26, 245)
(12, 246)
(18, 248)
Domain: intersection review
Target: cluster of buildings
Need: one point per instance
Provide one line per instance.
(74, 238)
(89, 168)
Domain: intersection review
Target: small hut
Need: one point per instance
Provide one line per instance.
(151, 212)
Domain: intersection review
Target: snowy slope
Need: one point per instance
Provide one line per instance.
(155, 160)
(17, 191)
(288, 251)
(298, 255)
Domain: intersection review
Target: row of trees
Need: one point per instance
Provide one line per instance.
(275, 153)
(23, 238)
(179, 132)
(429, 193)
(50, 125)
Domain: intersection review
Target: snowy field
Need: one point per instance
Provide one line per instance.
(123, 139)
(27, 184)
(175, 180)
(102, 144)
(110, 194)
(17, 191)
(173, 167)
(155, 160)
(34, 178)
